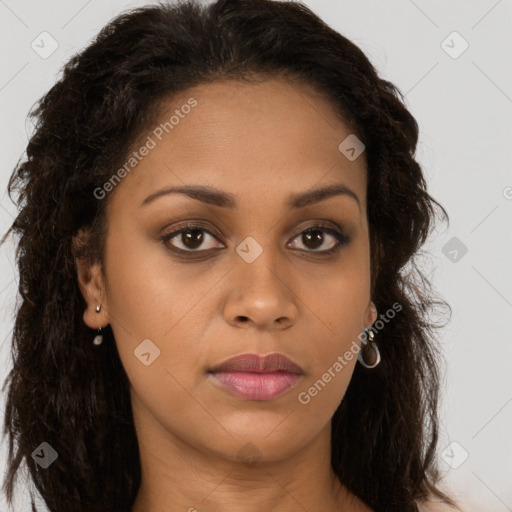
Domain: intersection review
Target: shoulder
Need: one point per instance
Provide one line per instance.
(435, 506)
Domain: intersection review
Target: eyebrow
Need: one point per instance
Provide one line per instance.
(213, 196)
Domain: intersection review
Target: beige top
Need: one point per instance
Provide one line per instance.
(435, 506)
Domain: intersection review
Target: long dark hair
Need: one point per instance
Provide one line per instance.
(64, 391)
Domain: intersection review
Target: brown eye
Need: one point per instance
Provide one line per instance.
(197, 239)
(316, 237)
(313, 239)
(190, 238)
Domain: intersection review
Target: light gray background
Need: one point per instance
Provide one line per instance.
(463, 106)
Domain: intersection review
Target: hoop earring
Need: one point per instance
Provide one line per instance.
(98, 339)
(369, 355)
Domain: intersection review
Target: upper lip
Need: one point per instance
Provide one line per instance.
(258, 364)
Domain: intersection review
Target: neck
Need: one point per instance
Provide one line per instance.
(178, 476)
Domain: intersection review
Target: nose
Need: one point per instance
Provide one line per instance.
(261, 295)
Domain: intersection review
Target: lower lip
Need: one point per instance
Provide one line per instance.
(257, 386)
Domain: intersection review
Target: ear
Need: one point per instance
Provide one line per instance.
(371, 315)
(92, 286)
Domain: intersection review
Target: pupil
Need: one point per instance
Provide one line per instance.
(310, 238)
(192, 238)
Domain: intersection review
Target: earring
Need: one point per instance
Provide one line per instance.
(98, 339)
(369, 355)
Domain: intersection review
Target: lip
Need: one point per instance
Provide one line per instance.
(256, 377)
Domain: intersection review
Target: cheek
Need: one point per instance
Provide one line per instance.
(337, 320)
(322, 394)
(147, 293)
(157, 314)
(334, 358)
(336, 308)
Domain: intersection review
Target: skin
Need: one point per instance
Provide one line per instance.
(261, 143)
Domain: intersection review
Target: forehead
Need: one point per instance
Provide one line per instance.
(268, 138)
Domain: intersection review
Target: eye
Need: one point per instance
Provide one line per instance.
(314, 237)
(190, 238)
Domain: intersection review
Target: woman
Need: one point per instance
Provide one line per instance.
(217, 211)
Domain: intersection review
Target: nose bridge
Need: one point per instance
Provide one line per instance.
(260, 293)
(260, 266)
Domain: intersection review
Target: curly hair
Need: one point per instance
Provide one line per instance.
(75, 397)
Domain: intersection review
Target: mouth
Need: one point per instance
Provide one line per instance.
(256, 377)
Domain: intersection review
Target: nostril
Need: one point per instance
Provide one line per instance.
(284, 321)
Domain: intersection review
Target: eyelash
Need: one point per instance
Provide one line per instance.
(342, 239)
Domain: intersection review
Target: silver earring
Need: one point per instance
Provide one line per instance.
(98, 339)
(369, 355)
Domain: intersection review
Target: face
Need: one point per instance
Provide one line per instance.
(250, 262)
